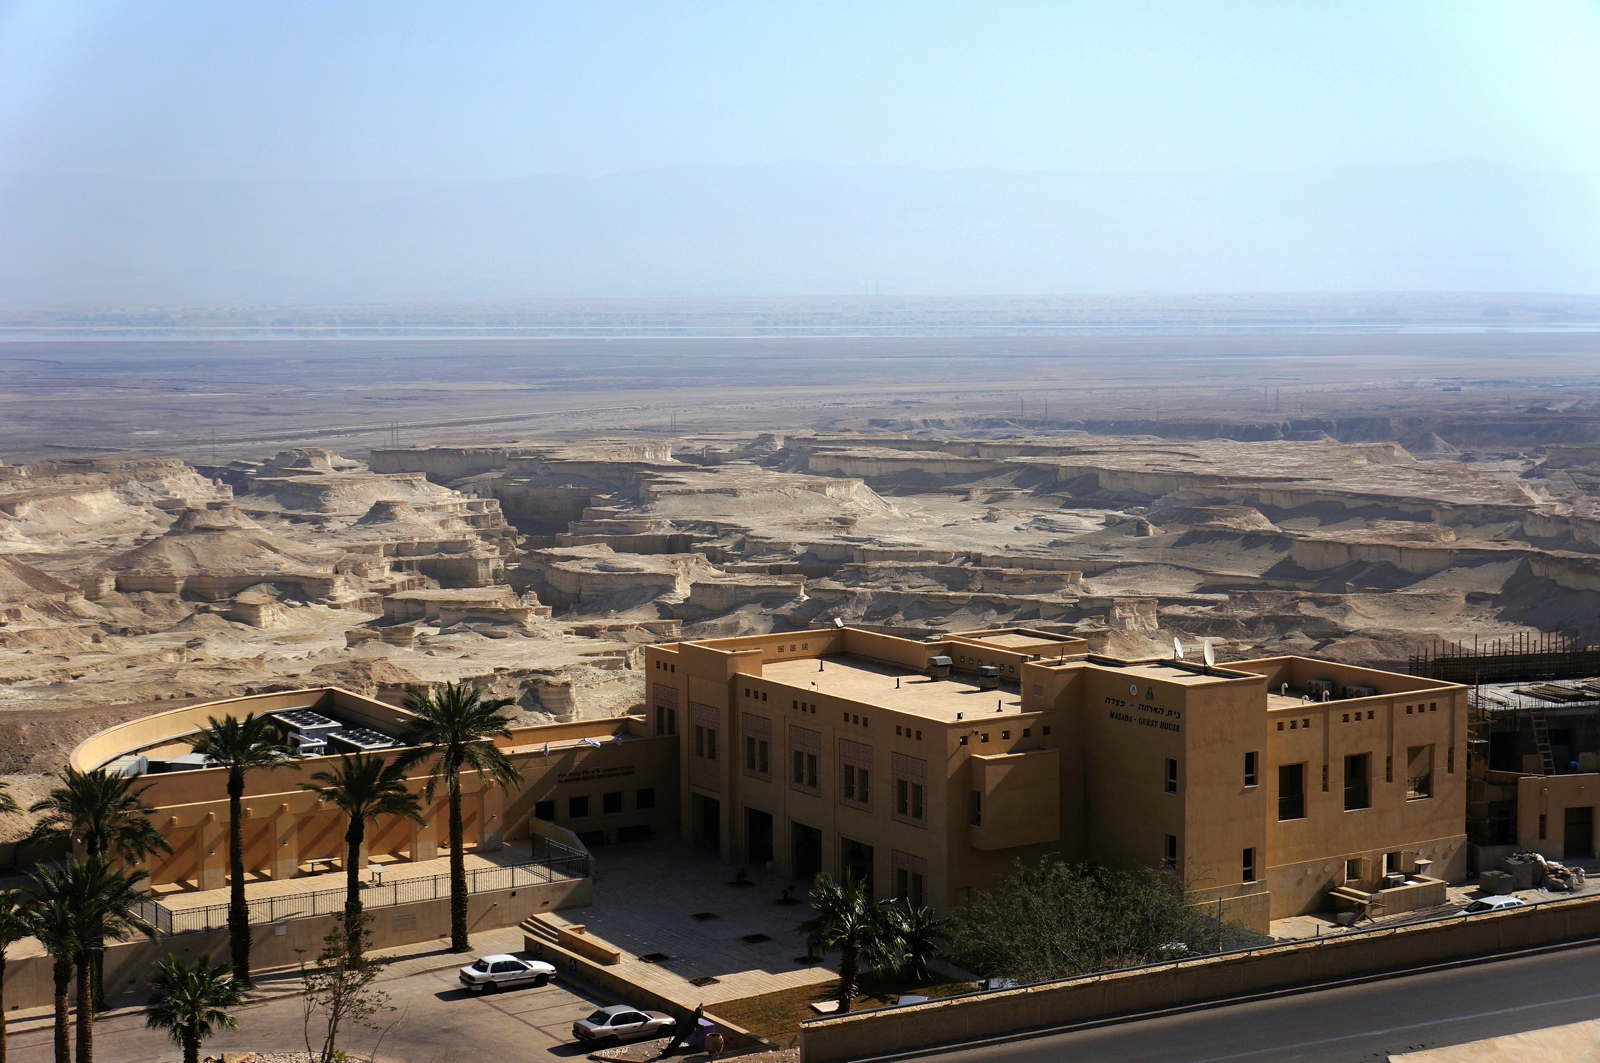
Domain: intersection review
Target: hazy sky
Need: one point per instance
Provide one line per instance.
(466, 91)
(495, 90)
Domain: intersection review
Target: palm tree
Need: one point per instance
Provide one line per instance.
(190, 1001)
(241, 746)
(51, 920)
(364, 788)
(913, 938)
(13, 928)
(103, 906)
(7, 802)
(846, 920)
(102, 813)
(457, 725)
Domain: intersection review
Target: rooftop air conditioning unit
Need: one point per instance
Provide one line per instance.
(989, 676)
(129, 765)
(1318, 687)
(302, 744)
(1359, 691)
(939, 667)
(1392, 879)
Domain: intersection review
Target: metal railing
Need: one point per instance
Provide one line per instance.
(551, 861)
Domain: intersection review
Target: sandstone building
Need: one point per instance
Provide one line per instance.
(930, 767)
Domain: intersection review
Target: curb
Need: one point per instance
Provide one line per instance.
(1246, 998)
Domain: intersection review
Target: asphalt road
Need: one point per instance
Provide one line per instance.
(1362, 1022)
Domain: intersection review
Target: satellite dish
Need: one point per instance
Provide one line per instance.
(1177, 649)
(1209, 654)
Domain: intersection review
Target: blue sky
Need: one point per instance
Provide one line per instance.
(273, 150)
(498, 90)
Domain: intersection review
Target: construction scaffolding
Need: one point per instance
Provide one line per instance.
(1519, 658)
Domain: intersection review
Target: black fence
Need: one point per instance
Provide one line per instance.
(551, 862)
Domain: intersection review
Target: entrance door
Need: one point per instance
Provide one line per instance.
(707, 821)
(1578, 837)
(757, 836)
(855, 860)
(806, 849)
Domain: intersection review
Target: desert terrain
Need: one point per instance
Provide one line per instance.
(194, 517)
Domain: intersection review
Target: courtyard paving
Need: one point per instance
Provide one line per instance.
(646, 897)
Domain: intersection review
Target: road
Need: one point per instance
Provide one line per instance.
(1344, 1025)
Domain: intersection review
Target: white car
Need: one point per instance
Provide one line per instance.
(619, 1023)
(504, 970)
(1493, 904)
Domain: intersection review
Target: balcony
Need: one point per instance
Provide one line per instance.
(1375, 899)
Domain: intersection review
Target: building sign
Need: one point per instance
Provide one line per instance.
(616, 771)
(1144, 713)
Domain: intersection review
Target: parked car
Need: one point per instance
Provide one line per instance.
(502, 971)
(619, 1023)
(1493, 904)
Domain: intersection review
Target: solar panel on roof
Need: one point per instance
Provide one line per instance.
(361, 738)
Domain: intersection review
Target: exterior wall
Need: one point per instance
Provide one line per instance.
(1080, 771)
(285, 825)
(1309, 855)
(1542, 801)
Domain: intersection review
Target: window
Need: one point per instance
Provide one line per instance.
(1419, 773)
(805, 769)
(908, 798)
(1172, 776)
(1291, 791)
(1249, 866)
(857, 784)
(908, 886)
(1357, 784)
(1169, 856)
(1046, 730)
(577, 808)
(705, 742)
(611, 804)
(975, 808)
(1543, 823)
(757, 756)
(1250, 769)
(644, 798)
(545, 810)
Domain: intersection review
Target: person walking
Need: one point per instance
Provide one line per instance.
(683, 1031)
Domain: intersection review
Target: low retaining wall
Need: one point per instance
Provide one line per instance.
(972, 1017)
(612, 983)
(277, 945)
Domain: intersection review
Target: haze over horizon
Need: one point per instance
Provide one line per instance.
(184, 153)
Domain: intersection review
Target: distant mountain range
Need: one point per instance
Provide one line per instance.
(796, 230)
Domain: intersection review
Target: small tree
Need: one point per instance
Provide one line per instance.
(847, 920)
(1055, 920)
(240, 746)
(191, 1001)
(338, 988)
(364, 788)
(13, 928)
(7, 802)
(458, 726)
